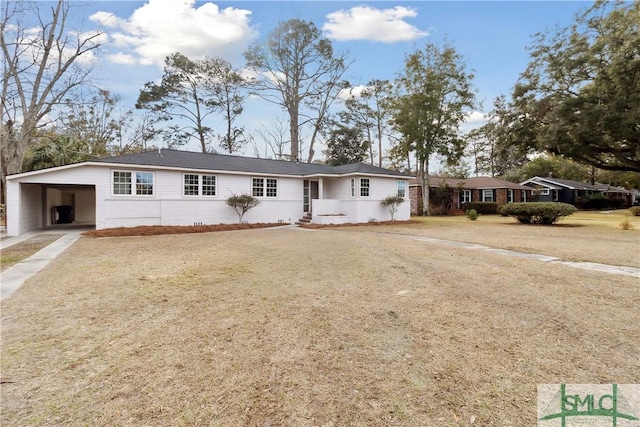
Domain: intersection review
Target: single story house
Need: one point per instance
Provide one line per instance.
(550, 189)
(172, 187)
(461, 191)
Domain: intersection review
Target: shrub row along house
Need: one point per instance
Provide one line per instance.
(449, 195)
(171, 187)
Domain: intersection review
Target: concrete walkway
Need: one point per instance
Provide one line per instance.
(604, 268)
(13, 277)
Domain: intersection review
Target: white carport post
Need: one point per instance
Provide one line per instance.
(13, 208)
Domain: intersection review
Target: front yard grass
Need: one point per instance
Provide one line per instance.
(23, 250)
(294, 327)
(587, 236)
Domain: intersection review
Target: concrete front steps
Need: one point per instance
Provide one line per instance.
(305, 219)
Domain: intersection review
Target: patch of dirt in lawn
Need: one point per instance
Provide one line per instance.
(305, 327)
(23, 250)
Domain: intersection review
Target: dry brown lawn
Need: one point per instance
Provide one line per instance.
(16, 253)
(584, 237)
(293, 327)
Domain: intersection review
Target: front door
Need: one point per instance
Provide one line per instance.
(310, 192)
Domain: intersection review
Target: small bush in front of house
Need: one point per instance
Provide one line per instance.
(483, 208)
(472, 214)
(635, 210)
(546, 213)
(392, 203)
(242, 204)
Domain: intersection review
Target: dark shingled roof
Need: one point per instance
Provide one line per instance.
(574, 185)
(477, 182)
(224, 162)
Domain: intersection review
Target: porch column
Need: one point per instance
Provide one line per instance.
(321, 188)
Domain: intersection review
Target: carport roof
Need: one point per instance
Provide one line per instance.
(224, 162)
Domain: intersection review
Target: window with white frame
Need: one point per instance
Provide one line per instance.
(364, 187)
(191, 184)
(199, 185)
(123, 183)
(402, 188)
(353, 187)
(272, 187)
(144, 183)
(208, 185)
(264, 187)
(465, 196)
(544, 192)
(523, 195)
(509, 195)
(487, 195)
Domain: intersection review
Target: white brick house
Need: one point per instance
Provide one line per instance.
(171, 187)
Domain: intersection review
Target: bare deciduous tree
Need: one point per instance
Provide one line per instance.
(42, 65)
(275, 138)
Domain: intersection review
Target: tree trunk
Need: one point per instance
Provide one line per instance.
(294, 131)
(203, 142)
(423, 176)
(379, 144)
(371, 160)
(312, 152)
(230, 137)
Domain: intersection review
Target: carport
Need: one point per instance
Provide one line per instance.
(44, 205)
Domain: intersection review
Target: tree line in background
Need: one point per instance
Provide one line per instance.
(574, 111)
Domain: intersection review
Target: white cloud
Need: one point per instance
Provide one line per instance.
(106, 19)
(367, 23)
(162, 27)
(475, 117)
(122, 58)
(473, 120)
(351, 92)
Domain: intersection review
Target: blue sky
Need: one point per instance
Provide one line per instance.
(491, 35)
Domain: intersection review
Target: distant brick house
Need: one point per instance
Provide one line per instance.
(459, 191)
(550, 189)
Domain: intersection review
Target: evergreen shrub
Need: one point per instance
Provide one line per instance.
(483, 208)
(546, 213)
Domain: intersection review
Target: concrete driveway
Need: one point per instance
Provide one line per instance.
(12, 278)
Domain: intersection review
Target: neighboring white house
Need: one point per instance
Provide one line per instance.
(170, 187)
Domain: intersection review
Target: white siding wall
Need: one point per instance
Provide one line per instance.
(24, 208)
(85, 210)
(336, 188)
(363, 209)
(168, 206)
(13, 208)
(31, 207)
